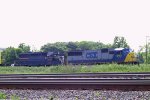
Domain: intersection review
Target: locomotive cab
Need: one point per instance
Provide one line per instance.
(119, 55)
(125, 55)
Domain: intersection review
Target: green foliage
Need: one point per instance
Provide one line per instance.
(2, 96)
(142, 53)
(9, 55)
(67, 46)
(14, 97)
(24, 47)
(120, 42)
(89, 45)
(72, 46)
(75, 69)
(51, 98)
(56, 47)
(85, 45)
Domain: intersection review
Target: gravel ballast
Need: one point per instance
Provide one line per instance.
(76, 94)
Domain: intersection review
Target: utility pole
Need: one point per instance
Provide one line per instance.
(146, 49)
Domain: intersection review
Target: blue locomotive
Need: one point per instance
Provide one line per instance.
(39, 59)
(105, 55)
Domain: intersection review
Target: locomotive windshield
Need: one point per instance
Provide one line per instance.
(127, 51)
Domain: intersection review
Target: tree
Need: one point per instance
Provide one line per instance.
(54, 47)
(25, 48)
(18, 51)
(72, 46)
(120, 42)
(100, 45)
(67, 46)
(142, 53)
(90, 45)
(85, 45)
(9, 55)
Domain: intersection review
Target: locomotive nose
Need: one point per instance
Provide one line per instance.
(131, 57)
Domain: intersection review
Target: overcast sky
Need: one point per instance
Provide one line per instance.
(37, 22)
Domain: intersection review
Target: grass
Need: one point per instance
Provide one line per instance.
(2, 96)
(75, 69)
(14, 97)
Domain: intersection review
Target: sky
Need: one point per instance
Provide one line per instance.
(38, 22)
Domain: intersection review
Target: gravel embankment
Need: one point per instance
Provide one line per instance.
(77, 94)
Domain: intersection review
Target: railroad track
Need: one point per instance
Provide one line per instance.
(138, 74)
(134, 81)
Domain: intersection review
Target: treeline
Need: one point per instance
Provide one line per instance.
(84, 45)
(10, 54)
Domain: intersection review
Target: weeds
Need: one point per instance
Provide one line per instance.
(75, 69)
(2, 95)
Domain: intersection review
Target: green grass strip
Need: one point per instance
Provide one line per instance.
(75, 69)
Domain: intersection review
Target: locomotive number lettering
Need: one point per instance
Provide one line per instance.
(91, 55)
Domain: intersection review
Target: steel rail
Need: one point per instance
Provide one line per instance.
(78, 81)
(75, 81)
(139, 74)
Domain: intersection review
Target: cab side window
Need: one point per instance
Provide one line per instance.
(104, 50)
